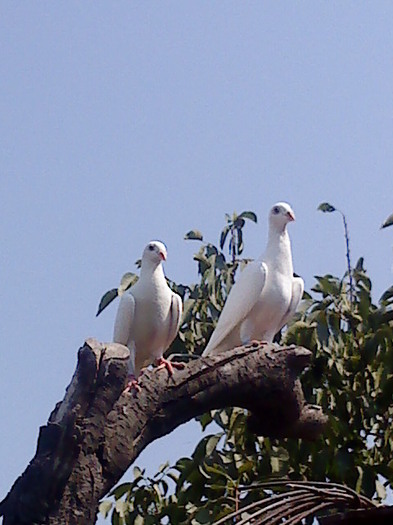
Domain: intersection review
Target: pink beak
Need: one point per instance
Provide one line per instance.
(163, 256)
(290, 215)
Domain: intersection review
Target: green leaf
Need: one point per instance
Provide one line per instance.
(240, 244)
(120, 490)
(388, 222)
(202, 516)
(326, 207)
(211, 250)
(359, 481)
(249, 215)
(223, 236)
(211, 443)
(188, 310)
(126, 282)
(360, 264)
(368, 481)
(205, 420)
(275, 464)
(220, 262)
(137, 472)
(106, 299)
(116, 519)
(328, 285)
(387, 295)
(194, 235)
(279, 461)
(381, 490)
(105, 507)
(122, 508)
(239, 223)
(203, 263)
(218, 470)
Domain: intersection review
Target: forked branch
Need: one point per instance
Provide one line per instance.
(97, 432)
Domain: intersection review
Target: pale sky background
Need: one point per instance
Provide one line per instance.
(127, 121)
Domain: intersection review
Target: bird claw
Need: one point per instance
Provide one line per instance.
(169, 365)
(132, 385)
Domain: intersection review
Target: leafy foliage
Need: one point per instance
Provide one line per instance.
(351, 378)
(234, 228)
(194, 235)
(106, 300)
(126, 282)
(326, 207)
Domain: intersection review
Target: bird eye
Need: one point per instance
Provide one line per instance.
(151, 247)
(276, 210)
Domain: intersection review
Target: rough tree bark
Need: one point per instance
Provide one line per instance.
(96, 432)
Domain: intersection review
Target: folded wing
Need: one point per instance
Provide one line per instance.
(297, 294)
(124, 319)
(175, 318)
(242, 298)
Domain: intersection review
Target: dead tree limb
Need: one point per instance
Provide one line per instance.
(96, 432)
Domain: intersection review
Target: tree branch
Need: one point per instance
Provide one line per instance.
(96, 432)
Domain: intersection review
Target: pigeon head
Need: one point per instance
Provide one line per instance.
(280, 215)
(154, 253)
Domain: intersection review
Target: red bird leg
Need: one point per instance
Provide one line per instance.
(169, 365)
(132, 384)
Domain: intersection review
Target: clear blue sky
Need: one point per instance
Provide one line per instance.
(123, 122)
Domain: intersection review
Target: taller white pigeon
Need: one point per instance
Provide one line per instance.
(149, 314)
(266, 294)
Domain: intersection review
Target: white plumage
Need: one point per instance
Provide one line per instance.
(266, 294)
(149, 313)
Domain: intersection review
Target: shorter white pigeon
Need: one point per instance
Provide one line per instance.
(266, 294)
(149, 314)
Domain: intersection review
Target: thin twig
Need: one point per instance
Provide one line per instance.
(265, 503)
(298, 518)
(278, 511)
(307, 497)
(348, 258)
(306, 485)
(295, 515)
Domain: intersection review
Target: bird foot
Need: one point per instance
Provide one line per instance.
(255, 342)
(169, 365)
(132, 385)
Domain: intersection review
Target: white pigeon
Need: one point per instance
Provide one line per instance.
(266, 294)
(149, 314)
